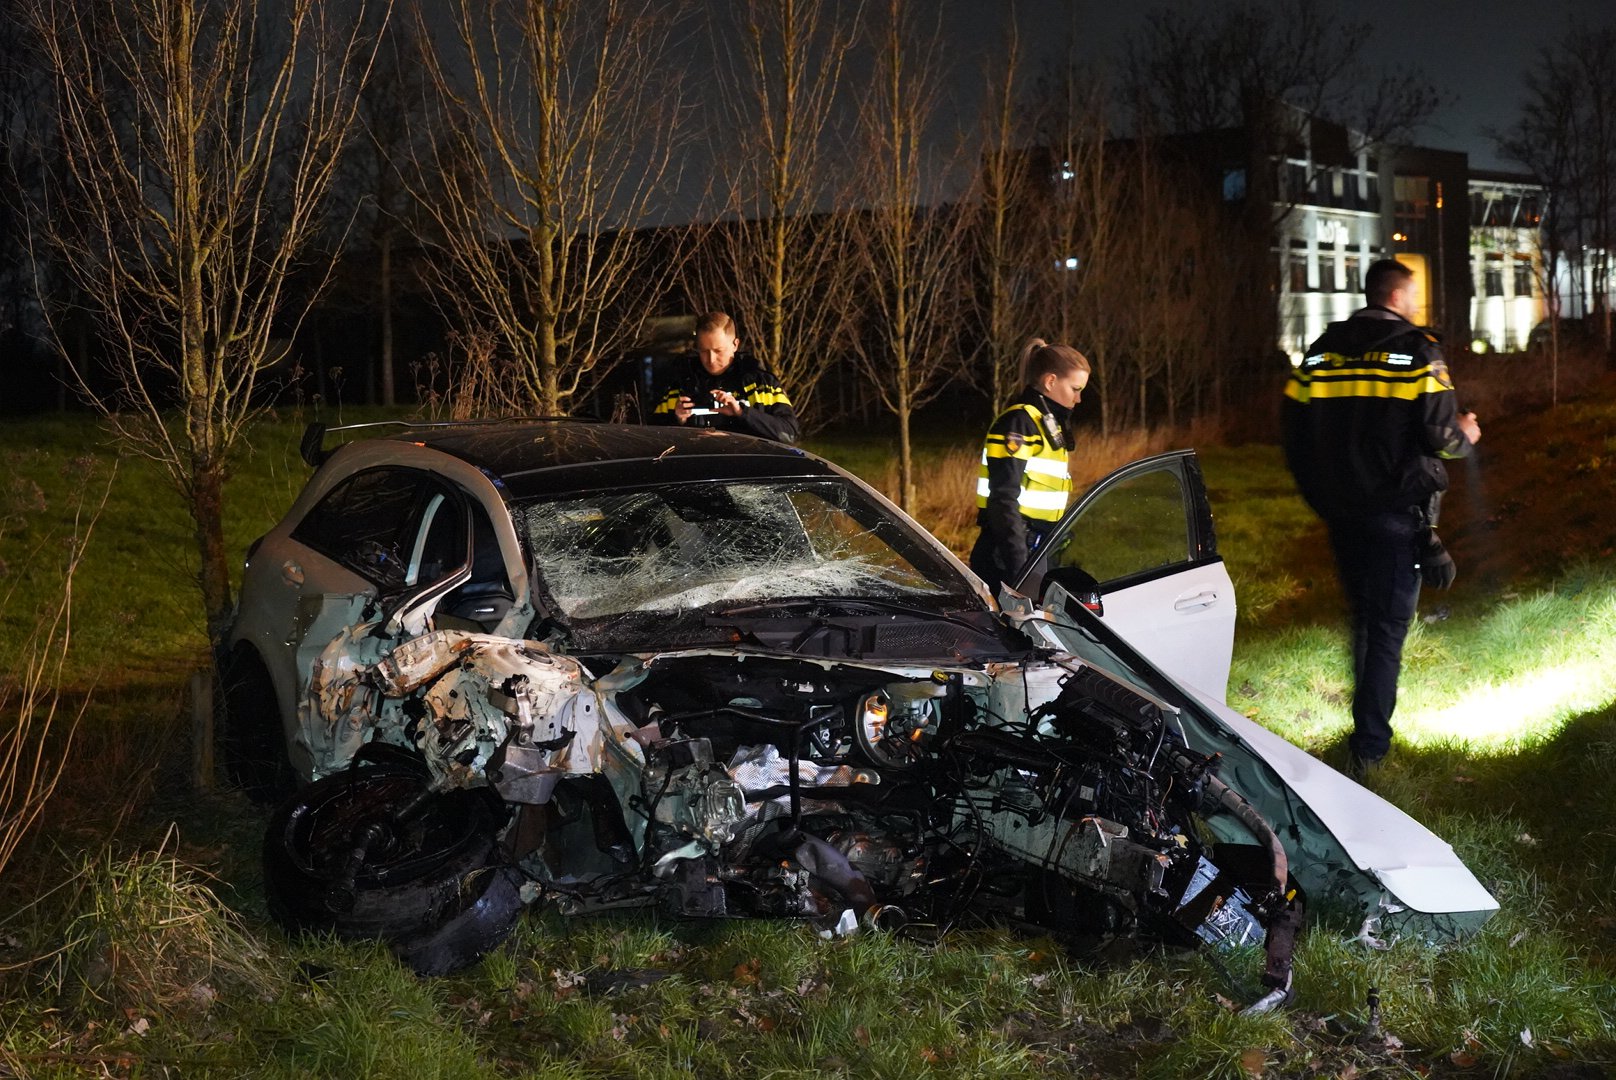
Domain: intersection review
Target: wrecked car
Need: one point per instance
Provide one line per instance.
(488, 665)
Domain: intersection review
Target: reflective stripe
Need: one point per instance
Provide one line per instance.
(1046, 473)
(996, 446)
(1043, 500)
(1362, 382)
(1040, 497)
(1046, 466)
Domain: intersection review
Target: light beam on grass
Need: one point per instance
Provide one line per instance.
(1558, 649)
(1532, 706)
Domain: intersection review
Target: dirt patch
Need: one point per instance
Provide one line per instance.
(1538, 494)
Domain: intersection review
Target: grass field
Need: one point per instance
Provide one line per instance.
(133, 939)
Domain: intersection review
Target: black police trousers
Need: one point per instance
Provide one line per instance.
(1375, 558)
(991, 552)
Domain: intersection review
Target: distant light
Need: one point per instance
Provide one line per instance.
(1066, 172)
(1399, 237)
(1068, 263)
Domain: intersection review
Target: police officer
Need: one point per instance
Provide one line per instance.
(1368, 418)
(1024, 481)
(716, 388)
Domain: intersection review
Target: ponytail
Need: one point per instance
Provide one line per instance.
(1039, 358)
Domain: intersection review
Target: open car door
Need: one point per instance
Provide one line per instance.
(1144, 533)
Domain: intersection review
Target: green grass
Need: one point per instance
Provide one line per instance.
(127, 950)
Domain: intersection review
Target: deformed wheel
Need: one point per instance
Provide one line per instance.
(464, 938)
(252, 743)
(363, 854)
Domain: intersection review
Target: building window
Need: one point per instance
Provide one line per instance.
(1523, 277)
(1327, 275)
(1234, 185)
(1298, 273)
(1296, 181)
(1354, 282)
(1413, 195)
(1493, 277)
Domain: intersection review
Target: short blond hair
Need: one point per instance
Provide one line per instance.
(716, 320)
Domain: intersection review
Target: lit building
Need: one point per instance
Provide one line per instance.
(1506, 261)
(1340, 203)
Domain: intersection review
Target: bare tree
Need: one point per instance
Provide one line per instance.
(1541, 139)
(778, 257)
(1566, 133)
(558, 124)
(377, 204)
(908, 239)
(197, 142)
(1009, 238)
(1083, 230)
(1208, 67)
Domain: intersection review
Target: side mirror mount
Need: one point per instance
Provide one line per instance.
(1078, 584)
(312, 448)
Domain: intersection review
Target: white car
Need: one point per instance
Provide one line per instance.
(494, 664)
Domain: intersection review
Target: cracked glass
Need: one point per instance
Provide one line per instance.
(687, 547)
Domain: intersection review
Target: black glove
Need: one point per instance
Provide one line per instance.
(1437, 570)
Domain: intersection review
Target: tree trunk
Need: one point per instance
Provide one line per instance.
(906, 463)
(389, 392)
(213, 575)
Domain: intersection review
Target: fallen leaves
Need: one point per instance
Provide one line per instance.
(1469, 1055)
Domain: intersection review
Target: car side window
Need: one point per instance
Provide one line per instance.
(1137, 526)
(369, 524)
(440, 547)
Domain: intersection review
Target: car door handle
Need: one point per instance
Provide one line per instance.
(291, 573)
(1199, 600)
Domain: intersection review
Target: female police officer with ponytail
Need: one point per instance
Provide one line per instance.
(1024, 481)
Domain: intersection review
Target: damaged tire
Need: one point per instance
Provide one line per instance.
(252, 744)
(366, 853)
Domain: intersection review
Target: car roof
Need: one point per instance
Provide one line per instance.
(528, 458)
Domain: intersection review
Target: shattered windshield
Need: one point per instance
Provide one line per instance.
(683, 548)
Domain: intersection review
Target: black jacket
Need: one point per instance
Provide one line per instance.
(1368, 416)
(765, 409)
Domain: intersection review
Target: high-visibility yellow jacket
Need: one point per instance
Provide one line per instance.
(1018, 456)
(1022, 486)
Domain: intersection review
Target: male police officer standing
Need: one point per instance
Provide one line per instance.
(1368, 417)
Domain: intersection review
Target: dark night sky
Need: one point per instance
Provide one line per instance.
(1472, 51)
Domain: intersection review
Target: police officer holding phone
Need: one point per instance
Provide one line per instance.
(716, 388)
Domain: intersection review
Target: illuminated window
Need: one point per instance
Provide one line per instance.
(1523, 277)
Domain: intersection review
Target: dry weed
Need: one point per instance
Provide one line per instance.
(149, 935)
(38, 729)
